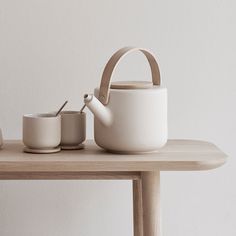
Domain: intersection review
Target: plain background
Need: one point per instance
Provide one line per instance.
(51, 51)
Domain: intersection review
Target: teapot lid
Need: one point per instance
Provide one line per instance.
(131, 85)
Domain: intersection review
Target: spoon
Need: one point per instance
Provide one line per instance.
(61, 108)
(81, 110)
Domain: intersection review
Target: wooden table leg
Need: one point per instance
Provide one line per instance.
(137, 208)
(151, 203)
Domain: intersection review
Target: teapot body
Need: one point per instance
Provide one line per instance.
(139, 120)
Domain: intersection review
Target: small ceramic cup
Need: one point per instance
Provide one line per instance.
(41, 131)
(73, 129)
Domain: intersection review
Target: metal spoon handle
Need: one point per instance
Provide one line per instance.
(81, 110)
(61, 108)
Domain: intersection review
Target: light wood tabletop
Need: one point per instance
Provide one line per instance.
(94, 163)
(177, 155)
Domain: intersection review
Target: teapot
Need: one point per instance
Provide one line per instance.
(129, 116)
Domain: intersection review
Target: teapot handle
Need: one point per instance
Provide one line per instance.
(112, 63)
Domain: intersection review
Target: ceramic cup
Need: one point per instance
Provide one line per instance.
(1, 139)
(73, 128)
(41, 131)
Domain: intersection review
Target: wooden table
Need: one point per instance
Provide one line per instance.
(94, 163)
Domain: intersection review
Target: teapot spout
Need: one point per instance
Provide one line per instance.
(101, 112)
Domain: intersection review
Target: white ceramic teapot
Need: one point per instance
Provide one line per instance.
(129, 116)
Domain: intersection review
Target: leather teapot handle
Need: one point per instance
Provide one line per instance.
(112, 63)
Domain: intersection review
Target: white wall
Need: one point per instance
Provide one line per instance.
(55, 50)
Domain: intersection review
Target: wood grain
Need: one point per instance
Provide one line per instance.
(151, 203)
(94, 163)
(177, 155)
(137, 208)
(82, 175)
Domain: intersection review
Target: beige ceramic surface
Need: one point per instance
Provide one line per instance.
(131, 116)
(76, 147)
(42, 151)
(41, 131)
(73, 128)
